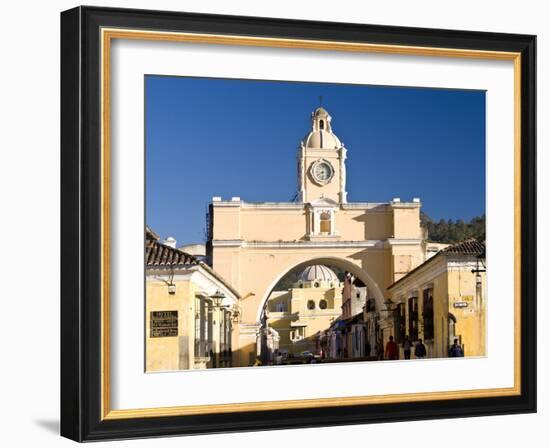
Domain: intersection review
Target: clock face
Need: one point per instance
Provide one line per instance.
(322, 171)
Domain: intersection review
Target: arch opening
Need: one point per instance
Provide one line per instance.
(342, 264)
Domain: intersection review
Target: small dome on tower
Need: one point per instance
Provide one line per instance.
(321, 135)
(320, 111)
(322, 140)
(318, 272)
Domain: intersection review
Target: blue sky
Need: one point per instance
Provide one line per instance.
(217, 137)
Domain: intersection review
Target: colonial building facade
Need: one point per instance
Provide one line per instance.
(190, 310)
(444, 299)
(254, 245)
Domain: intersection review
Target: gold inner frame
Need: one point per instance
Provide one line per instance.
(107, 35)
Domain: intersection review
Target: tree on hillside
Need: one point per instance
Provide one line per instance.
(453, 231)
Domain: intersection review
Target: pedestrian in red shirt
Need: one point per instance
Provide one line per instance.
(391, 349)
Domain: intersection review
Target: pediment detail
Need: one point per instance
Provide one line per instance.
(323, 202)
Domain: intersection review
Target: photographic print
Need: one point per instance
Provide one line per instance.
(297, 223)
(251, 201)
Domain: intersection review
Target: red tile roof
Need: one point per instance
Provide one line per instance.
(467, 247)
(160, 255)
(150, 234)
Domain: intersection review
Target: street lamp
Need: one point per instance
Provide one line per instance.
(170, 282)
(217, 298)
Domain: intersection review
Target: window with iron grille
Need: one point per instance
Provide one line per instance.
(200, 327)
(413, 318)
(401, 321)
(210, 329)
(428, 313)
(225, 339)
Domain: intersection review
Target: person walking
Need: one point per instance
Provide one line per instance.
(420, 350)
(391, 349)
(456, 350)
(407, 348)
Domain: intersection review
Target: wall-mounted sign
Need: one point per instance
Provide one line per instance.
(460, 304)
(164, 324)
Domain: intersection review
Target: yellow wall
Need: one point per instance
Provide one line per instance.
(406, 222)
(272, 225)
(176, 352)
(169, 353)
(237, 221)
(470, 320)
(227, 223)
(368, 224)
(451, 284)
(404, 259)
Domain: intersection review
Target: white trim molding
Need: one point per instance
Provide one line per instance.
(298, 244)
(403, 241)
(228, 243)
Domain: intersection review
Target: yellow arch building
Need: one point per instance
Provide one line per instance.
(253, 245)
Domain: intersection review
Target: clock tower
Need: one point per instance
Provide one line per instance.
(255, 244)
(321, 162)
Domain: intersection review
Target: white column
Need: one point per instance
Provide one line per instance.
(343, 193)
(316, 223)
(301, 176)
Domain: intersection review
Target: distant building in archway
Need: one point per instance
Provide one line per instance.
(253, 245)
(307, 308)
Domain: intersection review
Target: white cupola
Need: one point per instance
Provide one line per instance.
(321, 135)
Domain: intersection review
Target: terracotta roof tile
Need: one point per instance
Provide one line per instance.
(150, 234)
(158, 254)
(467, 247)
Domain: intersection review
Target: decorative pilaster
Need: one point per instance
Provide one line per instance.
(301, 175)
(316, 222)
(343, 193)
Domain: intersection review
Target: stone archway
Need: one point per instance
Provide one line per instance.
(342, 263)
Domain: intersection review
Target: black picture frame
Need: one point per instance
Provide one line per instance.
(81, 224)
